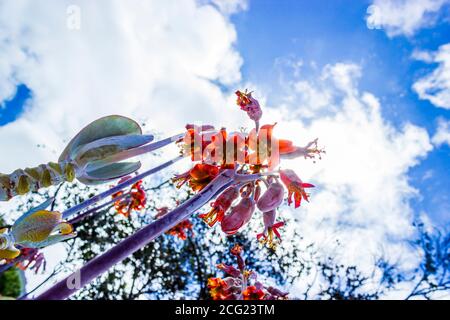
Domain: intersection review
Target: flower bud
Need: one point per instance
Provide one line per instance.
(272, 198)
(239, 216)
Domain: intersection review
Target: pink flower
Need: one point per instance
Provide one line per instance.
(220, 206)
(296, 187)
(272, 198)
(270, 229)
(249, 105)
(239, 216)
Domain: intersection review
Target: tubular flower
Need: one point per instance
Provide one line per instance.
(270, 229)
(220, 206)
(196, 139)
(35, 229)
(253, 293)
(249, 105)
(240, 283)
(272, 198)
(223, 289)
(296, 187)
(136, 199)
(225, 149)
(239, 216)
(310, 151)
(198, 177)
(181, 229)
(265, 148)
(237, 251)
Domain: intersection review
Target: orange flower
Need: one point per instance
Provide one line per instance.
(222, 289)
(249, 105)
(266, 147)
(253, 293)
(136, 200)
(243, 99)
(286, 146)
(225, 149)
(198, 177)
(220, 206)
(236, 250)
(310, 151)
(181, 229)
(296, 187)
(270, 229)
(196, 140)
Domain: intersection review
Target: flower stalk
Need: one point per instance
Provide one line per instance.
(141, 238)
(69, 212)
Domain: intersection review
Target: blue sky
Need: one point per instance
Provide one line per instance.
(332, 31)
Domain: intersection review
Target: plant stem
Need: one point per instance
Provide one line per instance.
(100, 264)
(87, 213)
(69, 212)
(131, 153)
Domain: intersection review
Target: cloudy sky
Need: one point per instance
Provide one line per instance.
(370, 79)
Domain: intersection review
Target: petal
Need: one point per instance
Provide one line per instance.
(308, 185)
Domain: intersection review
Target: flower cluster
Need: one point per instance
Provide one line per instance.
(257, 153)
(240, 283)
(134, 200)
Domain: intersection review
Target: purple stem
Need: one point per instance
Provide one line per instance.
(131, 153)
(69, 212)
(97, 266)
(87, 213)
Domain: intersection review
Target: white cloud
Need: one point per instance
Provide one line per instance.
(435, 86)
(362, 191)
(155, 61)
(402, 17)
(442, 135)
